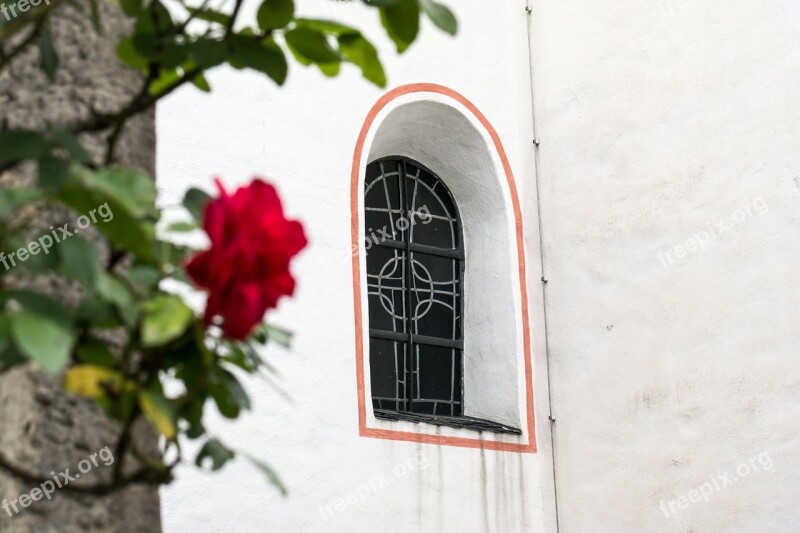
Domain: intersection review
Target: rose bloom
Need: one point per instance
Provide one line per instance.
(246, 270)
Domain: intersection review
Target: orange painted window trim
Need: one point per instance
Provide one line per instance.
(355, 181)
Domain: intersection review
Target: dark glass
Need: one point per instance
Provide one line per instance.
(387, 360)
(434, 299)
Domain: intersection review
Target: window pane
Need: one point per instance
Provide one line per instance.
(383, 203)
(435, 302)
(386, 283)
(434, 214)
(387, 361)
(437, 386)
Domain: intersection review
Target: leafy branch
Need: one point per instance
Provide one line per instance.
(159, 337)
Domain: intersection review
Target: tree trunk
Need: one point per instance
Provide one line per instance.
(43, 430)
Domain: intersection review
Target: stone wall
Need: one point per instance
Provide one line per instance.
(41, 428)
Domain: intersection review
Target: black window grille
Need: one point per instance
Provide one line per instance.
(415, 278)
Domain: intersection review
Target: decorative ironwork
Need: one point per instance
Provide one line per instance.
(415, 271)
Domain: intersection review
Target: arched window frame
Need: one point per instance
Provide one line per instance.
(440, 127)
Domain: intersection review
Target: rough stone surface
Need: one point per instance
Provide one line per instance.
(41, 429)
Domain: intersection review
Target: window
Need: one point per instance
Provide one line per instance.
(415, 280)
(431, 186)
(414, 275)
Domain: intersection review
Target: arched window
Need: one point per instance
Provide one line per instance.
(440, 297)
(415, 279)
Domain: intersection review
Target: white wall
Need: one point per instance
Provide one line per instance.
(659, 119)
(672, 367)
(302, 137)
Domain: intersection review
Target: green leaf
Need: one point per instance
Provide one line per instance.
(124, 201)
(361, 52)
(147, 45)
(5, 334)
(144, 277)
(39, 303)
(208, 52)
(195, 202)
(312, 45)
(281, 336)
(79, 261)
(209, 15)
(115, 291)
(182, 227)
(165, 318)
(96, 312)
(217, 452)
(13, 198)
(179, 274)
(70, 143)
(191, 361)
(201, 83)
(192, 412)
(166, 79)
(160, 412)
(134, 189)
(256, 359)
(401, 21)
(9, 354)
(171, 255)
(264, 56)
(271, 475)
(154, 20)
(47, 255)
(132, 8)
(380, 3)
(22, 144)
(129, 55)
(53, 173)
(274, 14)
(239, 358)
(47, 53)
(325, 26)
(236, 390)
(43, 340)
(440, 15)
(330, 70)
(95, 11)
(174, 54)
(228, 394)
(95, 352)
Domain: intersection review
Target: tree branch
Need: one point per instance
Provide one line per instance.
(6, 58)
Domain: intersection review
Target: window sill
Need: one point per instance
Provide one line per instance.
(462, 422)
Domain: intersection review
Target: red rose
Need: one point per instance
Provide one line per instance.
(246, 270)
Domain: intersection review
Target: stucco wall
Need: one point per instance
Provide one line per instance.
(303, 138)
(670, 193)
(668, 123)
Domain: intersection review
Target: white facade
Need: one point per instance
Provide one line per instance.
(668, 171)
